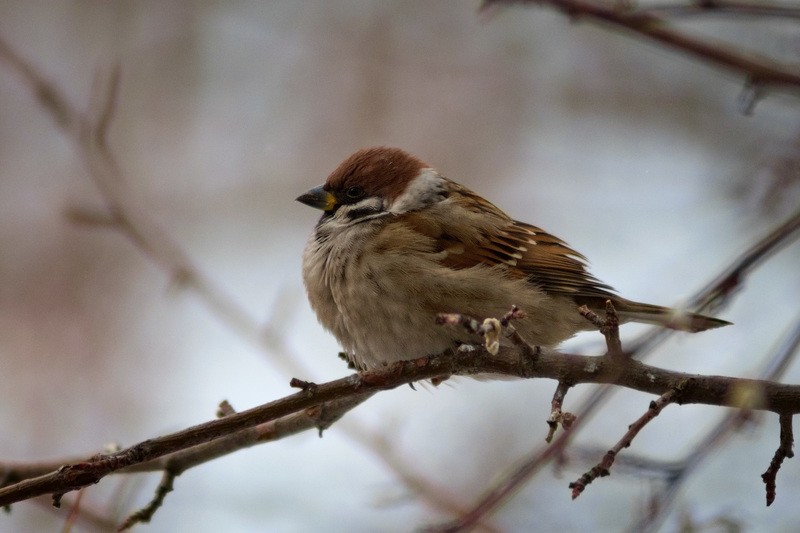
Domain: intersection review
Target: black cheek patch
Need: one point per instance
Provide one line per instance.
(362, 212)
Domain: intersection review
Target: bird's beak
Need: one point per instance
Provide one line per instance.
(318, 198)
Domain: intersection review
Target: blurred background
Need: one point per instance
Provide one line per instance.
(638, 157)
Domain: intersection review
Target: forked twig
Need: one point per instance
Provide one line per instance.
(603, 468)
(784, 451)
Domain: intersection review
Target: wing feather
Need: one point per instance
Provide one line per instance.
(487, 236)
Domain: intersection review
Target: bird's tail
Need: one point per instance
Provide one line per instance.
(630, 311)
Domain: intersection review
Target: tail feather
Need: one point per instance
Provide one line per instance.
(630, 311)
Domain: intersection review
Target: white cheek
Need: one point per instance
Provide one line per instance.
(423, 190)
(366, 205)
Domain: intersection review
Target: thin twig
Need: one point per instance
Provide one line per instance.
(502, 491)
(610, 331)
(47, 94)
(528, 350)
(592, 317)
(491, 328)
(603, 468)
(435, 495)
(557, 415)
(609, 327)
(784, 451)
(759, 72)
(721, 7)
(144, 514)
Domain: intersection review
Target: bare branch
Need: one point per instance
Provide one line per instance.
(608, 327)
(603, 468)
(144, 514)
(435, 495)
(48, 95)
(94, 128)
(557, 416)
(721, 7)
(592, 317)
(710, 390)
(757, 70)
(784, 451)
(611, 331)
(320, 417)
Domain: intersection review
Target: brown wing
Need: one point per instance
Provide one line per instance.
(527, 251)
(551, 264)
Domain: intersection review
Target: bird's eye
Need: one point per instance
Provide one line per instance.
(355, 192)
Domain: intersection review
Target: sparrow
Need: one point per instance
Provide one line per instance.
(398, 244)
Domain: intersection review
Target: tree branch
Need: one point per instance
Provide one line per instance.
(759, 71)
(721, 7)
(557, 416)
(603, 468)
(784, 451)
(576, 369)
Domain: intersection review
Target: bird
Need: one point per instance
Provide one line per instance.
(398, 243)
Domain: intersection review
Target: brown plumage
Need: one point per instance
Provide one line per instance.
(399, 243)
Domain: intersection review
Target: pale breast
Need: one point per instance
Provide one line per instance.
(379, 287)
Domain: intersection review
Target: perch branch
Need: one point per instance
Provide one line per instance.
(710, 390)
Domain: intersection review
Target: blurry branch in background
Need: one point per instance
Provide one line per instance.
(760, 73)
(719, 291)
(721, 7)
(774, 187)
(710, 298)
(388, 450)
(122, 212)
